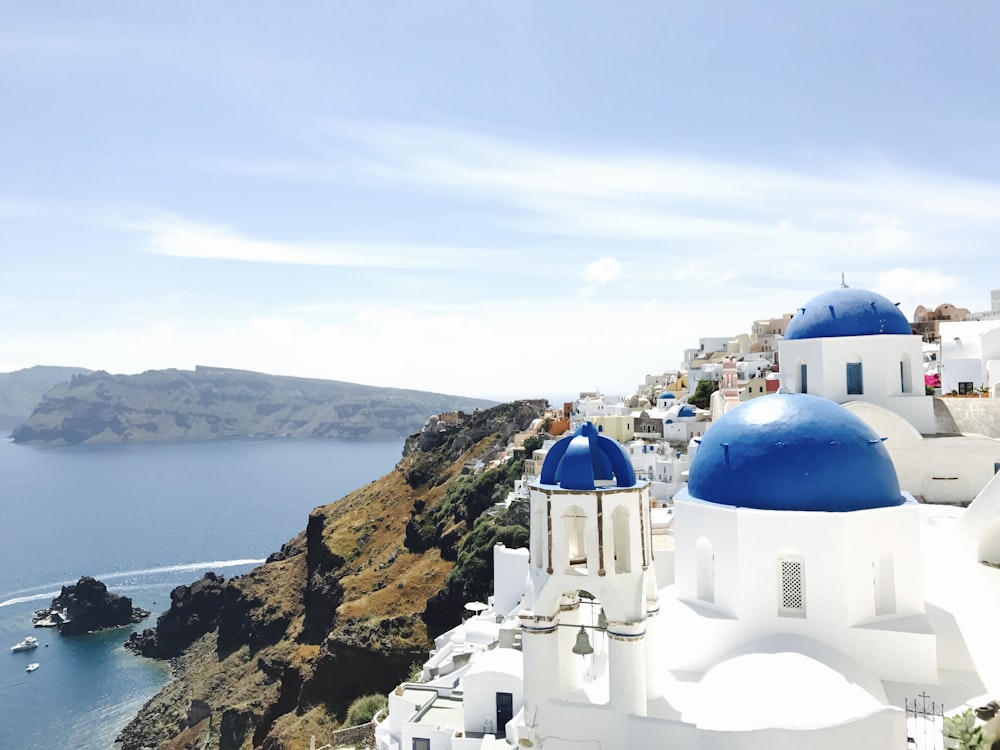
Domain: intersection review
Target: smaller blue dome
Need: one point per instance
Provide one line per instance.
(793, 451)
(666, 395)
(846, 312)
(580, 460)
(687, 411)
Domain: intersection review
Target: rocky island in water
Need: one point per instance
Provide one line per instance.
(86, 606)
(216, 402)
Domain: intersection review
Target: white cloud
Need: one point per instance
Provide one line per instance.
(597, 273)
(886, 233)
(602, 271)
(735, 242)
(860, 212)
(177, 237)
(913, 286)
(535, 195)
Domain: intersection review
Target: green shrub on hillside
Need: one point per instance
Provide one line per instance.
(472, 576)
(703, 393)
(364, 708)
(471, 495)
(533, 443)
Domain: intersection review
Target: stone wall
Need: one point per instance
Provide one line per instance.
(360, 736)
(980, 416)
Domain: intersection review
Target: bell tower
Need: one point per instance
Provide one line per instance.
(590, 535)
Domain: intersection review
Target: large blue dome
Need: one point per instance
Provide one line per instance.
(793, 451)
(580, 460)
(846, 312)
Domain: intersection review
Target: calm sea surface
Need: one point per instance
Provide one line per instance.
(143, 518)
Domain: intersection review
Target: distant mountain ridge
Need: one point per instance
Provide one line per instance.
(21, 390)
(214, 402)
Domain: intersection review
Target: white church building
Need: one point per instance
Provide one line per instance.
(856, 348)
(851, 344)
(802, 599)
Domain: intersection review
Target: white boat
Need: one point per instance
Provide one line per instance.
(26, 645)
(32, 667)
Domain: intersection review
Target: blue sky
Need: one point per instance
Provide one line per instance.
(504, 200)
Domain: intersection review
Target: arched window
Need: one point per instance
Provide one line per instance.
(620, 519)
(536, 537)
(705, 564)
(855, 377)
(885, 584)
(574, 523)
(803, 378)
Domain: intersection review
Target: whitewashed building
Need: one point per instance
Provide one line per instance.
(855, 345)
(970, 356)
(806, 598)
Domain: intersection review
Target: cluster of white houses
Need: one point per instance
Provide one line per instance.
(799, 595)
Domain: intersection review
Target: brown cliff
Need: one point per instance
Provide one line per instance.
(345, 609)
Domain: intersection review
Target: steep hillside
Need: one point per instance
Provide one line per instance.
(212, 402)
(344, 609)
(21, 390)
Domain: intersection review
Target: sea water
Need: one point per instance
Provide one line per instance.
(143, 518)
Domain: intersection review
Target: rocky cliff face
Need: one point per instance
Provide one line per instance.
(21, 390)
(212, 402)
(344, 609)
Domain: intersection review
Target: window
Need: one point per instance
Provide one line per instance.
(854, 378)
(791, 586)
(573, 530)
(535, 546)
(622, 543)
(964, 388)
(885, 584)
(905, 374)
(706, 570)
(421, 743)
(803, 379)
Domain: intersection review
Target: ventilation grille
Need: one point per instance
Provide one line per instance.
(791, 586)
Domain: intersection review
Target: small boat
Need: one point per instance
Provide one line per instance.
(26, 645)
(32, 667)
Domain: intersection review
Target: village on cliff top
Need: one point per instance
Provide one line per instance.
(795, 542)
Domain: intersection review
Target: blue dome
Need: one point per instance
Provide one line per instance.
(580, 460)
(793, 451)
(846, 312)
(666, 395)
(687, 411)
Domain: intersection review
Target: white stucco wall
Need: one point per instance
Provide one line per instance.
(492, 672)
(966, 346)
(944, 469)
(979, 523)
(840, 553)
(570, 726)
(892, 373)
(510, 574)
(622, 593)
